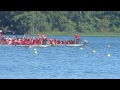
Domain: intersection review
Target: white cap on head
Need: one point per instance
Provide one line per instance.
(0, 30)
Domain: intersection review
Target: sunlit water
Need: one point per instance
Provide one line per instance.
(63, 62)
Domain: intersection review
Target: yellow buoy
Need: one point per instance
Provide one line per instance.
(94, 51)
(81, 48)
(108, 45)
(108, 55)
(35, 52)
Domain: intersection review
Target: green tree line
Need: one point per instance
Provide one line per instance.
(22, 22)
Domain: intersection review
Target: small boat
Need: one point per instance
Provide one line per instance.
(48, 45)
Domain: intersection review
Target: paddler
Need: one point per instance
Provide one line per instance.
(77, 39)
(44, 39)
(10, 41)
(35, 41)
(0, 33)
(38, 41)
(1, 37)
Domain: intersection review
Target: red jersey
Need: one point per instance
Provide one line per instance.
(77, 36)
(34, 41)
(0, 33)
(38, 41)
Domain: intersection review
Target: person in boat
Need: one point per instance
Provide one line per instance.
(19, 41)
(44, 41)
(39, 39)
(31, 41)
(53, 43)
(15, 41)
(10, 41)
(35, 42)
(58, 41)
(0, 36)
(77, 39)
(0, 33)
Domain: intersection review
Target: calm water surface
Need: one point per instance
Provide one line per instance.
(63, 62)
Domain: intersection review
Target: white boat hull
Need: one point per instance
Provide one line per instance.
(68, 45)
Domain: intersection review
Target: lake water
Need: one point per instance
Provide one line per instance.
(63, 62)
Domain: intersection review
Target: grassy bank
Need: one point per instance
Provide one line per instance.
(81, 34)
(100, 34)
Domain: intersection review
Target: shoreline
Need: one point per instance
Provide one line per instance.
(102, 34)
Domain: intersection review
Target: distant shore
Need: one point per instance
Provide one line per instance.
(81, 34)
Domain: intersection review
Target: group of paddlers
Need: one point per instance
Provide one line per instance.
(41, 39)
